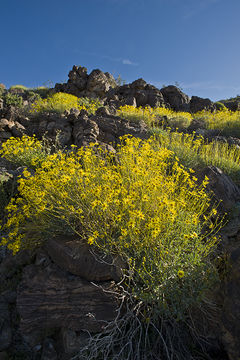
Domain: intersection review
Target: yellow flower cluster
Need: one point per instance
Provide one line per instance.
(139, 203)
(226, 121)
(28, 151)
(60, 102)
(154, 116)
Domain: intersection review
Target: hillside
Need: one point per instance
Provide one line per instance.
(120, 222)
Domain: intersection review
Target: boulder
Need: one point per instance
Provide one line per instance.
(98, 83)
(53, 125)
(223, 188)
(5, 325)
(85, 130)
(4, 355)
(137, 93)
(78, 76)
(10, 128)
(199, 104)
(175, 98)
(232, 104)
(70, 254)
(72, 342)
(50, 298)
(231, 308)
(80, 84)
(48, 351)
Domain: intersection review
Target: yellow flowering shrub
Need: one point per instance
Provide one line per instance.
(140, 203)
(60, 102)
(27, 151)
(195, 153)
(226, 121)
(153, 116)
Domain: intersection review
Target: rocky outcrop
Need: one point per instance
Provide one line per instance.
(79, 128)
(10, 128)
(231, 307)
(50, 298)
(175, 98)
(232, 104)
(80, 259)
(199, 104)
(225, 193)
(5, 326)
(138, 93)
(80, 84)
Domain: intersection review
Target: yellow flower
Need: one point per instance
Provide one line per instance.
(91, 240)
(180, 274)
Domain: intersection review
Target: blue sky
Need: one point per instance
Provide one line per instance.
(192, 42)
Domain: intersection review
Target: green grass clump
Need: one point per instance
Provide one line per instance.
(13, 99)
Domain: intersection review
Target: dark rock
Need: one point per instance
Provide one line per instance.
(102, 111)
(231, 308)
(53, 125)
(48, 351)
(18, 130)
(11, 112)
(139, 84)
(223, 188)
(232, 104)
(98, 83)
(73, 342)
(10, 128)
(131, 100)
(50, 298)
(80, 259)
(10, 296)
(199, 104)
(85, 130)
(78, 76)
(113, 127)
(3, 355)
(80, 84)
(11, 264)
(138, 93)
(176, 99)
(5, 326)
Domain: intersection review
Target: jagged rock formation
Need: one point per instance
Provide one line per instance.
(96, 84)
(75, 127)
(199, 104)
(50, 298)
(232, 104)
(137, 93)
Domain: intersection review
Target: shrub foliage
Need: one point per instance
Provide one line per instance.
(60, 102)
(141, 204)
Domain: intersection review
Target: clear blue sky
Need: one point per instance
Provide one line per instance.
(193, 42)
